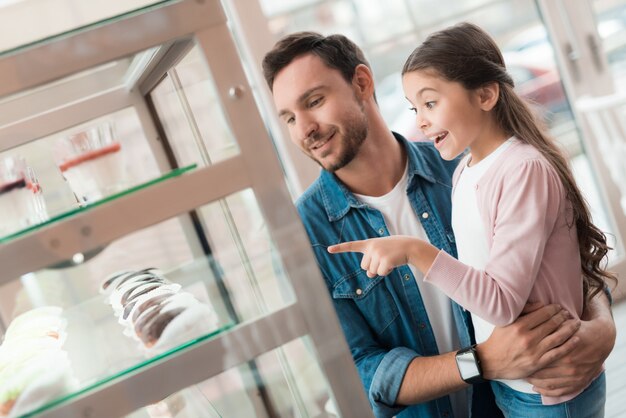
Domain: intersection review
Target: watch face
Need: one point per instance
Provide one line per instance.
(467, 365)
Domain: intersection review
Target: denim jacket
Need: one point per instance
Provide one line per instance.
(384, 318)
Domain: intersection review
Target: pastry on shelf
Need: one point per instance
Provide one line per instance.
(133, 309)
(181, 325)
(43, 320)
(154, 311)
(34, 369)
(118, 278)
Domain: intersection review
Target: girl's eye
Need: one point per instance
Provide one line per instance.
(290, 120)
(429, 105)
(412, 109)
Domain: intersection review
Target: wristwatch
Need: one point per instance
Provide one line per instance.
(469, 365)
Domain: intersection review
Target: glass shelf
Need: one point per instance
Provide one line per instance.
(100, 352)
(122, 373)
(240, 290)
(67, 23)
(66, 214)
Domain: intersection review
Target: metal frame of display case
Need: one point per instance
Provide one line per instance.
(172, 24)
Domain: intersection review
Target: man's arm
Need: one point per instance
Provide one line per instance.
(515, 351)
(380, 368)
(429, 378)
(576, 370)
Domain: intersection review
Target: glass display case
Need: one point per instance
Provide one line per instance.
(153, 264)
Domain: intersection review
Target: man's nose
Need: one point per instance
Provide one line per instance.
(307, 128)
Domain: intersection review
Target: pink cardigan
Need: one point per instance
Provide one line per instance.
(533, 248)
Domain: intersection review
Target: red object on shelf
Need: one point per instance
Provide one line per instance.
(91, 155)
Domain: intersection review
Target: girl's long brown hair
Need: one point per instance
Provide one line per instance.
(466, 54)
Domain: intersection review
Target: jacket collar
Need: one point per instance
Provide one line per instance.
(338, 200)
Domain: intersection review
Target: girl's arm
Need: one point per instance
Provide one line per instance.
(381, 255)
(527, 211)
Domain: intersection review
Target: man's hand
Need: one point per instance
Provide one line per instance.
(577, 369)
(535, 340)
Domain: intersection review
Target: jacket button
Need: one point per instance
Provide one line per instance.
(407, 277)
(422, 325)
(425, 215)
(381, 231)
(359, 292)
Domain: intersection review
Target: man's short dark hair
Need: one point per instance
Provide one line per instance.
(336, 51)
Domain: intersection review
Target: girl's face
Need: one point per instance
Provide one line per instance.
(451, 116)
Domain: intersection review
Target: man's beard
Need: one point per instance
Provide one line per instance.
(354, 134)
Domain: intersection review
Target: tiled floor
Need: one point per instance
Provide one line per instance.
(616, 368)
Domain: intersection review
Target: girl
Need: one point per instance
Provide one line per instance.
(522, 228)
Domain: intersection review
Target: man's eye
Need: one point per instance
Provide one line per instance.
(290, 120)
(429, 105)
(315, 102)
(412, 109)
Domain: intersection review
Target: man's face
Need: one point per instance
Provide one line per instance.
(324, 116)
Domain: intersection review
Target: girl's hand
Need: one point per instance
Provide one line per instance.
(380, 255)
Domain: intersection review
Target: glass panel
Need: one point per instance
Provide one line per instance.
(109, 75)
(93, 162)
(25, 22)
(188, 106)
(611, 23)
(295, 381)
(294, 385)
(235, 283)
(236, 223)
(74, 211)
(285, 382)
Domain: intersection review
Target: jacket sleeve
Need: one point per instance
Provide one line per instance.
(526, 213)
(381, 371)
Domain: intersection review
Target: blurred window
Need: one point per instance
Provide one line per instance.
(389, 30)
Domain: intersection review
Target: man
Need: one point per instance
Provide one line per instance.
(403, 333)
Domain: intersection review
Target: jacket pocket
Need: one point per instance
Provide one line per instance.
(372, 296)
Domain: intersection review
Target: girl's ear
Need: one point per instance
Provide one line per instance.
(363, 81)
(488, 96)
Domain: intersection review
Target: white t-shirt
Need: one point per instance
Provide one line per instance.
(401, 219)
(471, 238)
